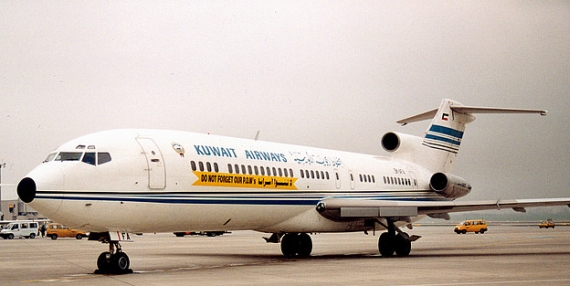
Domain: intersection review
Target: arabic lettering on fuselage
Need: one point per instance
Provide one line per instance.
(307, 159)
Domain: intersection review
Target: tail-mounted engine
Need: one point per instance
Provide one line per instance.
(449, 186)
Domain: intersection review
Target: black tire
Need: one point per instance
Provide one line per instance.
(296, 244)
(483, 231)
(386, 244)
(10, 236)
(288, 245)
(304, 245)
(79, 236)
(121, 262)
(403, 247)
(54, 236)
(104, 262)
(32, 235)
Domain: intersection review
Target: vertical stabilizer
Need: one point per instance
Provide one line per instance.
(442, 139)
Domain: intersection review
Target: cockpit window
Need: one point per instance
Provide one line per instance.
(50, 157)
(69, 156)
(103, 157)
(89, 158)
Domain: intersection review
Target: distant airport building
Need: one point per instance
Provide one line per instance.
(17, 210)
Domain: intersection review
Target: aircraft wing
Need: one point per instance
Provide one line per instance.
(340, 209)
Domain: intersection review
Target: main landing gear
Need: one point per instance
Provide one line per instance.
(292, 244)
(395, 241)
(114, 261)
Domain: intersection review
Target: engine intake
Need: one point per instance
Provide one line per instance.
(449, 186)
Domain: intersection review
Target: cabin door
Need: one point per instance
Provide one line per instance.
(155, 163)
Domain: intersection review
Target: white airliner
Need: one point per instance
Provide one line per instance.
(118, 182)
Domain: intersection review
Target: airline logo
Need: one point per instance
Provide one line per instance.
(443, 138)
(244, 181)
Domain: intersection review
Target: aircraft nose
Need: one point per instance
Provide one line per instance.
(27, 190)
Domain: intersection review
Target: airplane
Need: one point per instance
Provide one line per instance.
(122, 182)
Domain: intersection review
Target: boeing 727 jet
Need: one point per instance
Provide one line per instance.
(115, 183)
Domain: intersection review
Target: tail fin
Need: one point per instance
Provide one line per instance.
(443, 137)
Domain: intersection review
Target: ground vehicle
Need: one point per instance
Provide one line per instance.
(546, 224)
(55, 230)
(473, 225)
(27, 229)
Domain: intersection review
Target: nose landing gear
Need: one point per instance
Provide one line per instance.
(114, 261)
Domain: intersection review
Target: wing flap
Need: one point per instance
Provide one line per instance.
(346, 209)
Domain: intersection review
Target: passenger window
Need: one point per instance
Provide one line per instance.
(193, 165)
(256, 170)
(302, 174)
(237, 168)
(208, 166)
(216, 169)
(201, 166)
(262, 170)
(89, 158)
(103, 157)
(230, 168)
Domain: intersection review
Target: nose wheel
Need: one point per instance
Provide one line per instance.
(114, 261)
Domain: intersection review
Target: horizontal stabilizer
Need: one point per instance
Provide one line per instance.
(468, 110)
(475, 109)
(418, 117)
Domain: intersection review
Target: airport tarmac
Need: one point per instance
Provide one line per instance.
(505, 255)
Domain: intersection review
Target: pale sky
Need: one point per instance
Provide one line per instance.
(332, 74)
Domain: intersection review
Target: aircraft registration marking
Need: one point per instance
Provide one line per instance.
(244, 181)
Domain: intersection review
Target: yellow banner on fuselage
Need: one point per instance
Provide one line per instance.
(244, 181)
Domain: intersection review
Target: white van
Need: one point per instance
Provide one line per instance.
(18, 229)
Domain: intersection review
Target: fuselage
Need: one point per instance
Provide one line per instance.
(163, 181)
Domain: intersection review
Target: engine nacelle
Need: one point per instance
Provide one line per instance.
(449, 186)
(400, 142)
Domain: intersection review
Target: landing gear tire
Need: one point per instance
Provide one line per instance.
(389, 243)
(386, 244)
(296, 244)
(402, 245)
(121, 262)
(117, 263)
(104, 262)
